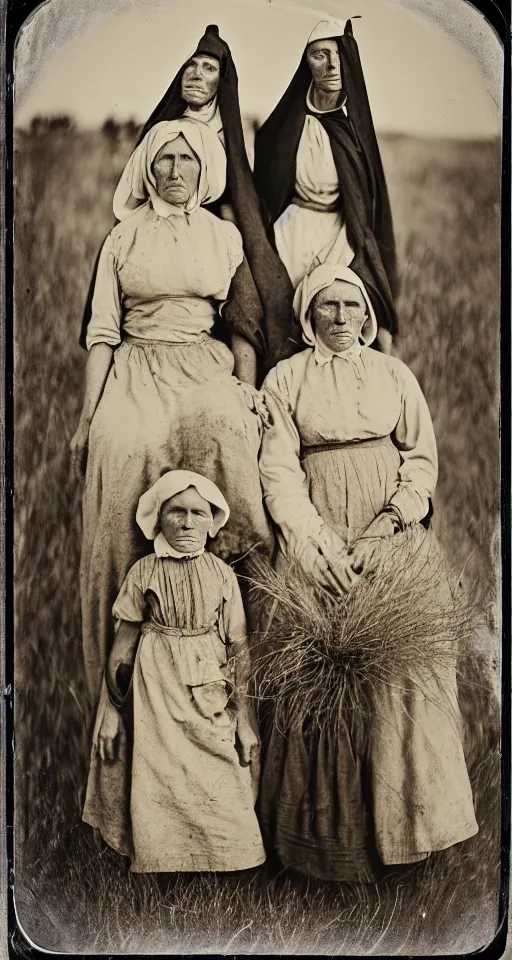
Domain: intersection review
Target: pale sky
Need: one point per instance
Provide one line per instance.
(432, 67)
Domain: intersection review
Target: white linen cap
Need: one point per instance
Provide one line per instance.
(137, 183)
(327, 30)
(320, 278)
(171, 483)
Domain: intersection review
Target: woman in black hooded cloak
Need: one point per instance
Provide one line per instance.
(319, 174)
(260, 304)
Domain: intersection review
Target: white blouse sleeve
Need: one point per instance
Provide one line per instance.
(284, 482)
(234, 246)
(105, 323)
(415, 439)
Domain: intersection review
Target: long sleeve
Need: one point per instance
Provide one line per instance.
(283, 479)
(415, 439)
(105, 323)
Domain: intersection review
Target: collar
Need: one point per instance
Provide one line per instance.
(164, 209)
(324, 355)
(164, 549)
(310, 105)
(209, 114)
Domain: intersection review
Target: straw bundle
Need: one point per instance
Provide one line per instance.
(320, 653)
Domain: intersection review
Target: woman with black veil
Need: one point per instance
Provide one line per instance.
(319, 175)
(206, 89)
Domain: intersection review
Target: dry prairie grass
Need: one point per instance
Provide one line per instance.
(321, 655)
(72, 893)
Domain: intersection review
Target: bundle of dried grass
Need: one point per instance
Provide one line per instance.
(319, 653)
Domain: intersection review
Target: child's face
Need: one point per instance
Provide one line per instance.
(185, 520)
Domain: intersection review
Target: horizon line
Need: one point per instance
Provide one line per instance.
(381, 132)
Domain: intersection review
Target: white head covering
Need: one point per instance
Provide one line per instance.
(327, 30)
(320, 278)
(171, 483)
(137, 183)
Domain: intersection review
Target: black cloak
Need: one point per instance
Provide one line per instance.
(363, 193)
(271, 280)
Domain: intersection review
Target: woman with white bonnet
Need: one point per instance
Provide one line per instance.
(205, 90)
(161, 392)
(172, 787)
(348, 466)
(319, 175)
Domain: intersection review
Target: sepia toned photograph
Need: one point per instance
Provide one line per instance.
(258, 576)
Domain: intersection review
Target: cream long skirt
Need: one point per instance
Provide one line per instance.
(342, 803)
(164, 407)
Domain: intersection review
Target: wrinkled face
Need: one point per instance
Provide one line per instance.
(176, 170)
(338, 315)
(324, 62)
(185, 520)
(200, 80)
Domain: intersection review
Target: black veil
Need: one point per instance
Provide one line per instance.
(363, 190)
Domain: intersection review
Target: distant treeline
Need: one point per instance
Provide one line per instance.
(111, 129)
(118, 133)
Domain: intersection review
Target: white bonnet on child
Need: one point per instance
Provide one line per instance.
(171, 483)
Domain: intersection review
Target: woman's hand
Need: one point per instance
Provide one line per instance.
(335, 552)
(256, 402)
(107, 736)
(249, 749)
(331, 570)
(343, 570)
(315, 566)
(331, 543)
(364, 555)
(248, 741)
(78, 446)
(365, 552)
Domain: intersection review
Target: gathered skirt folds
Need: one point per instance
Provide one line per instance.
(165, 407)
(177, 798)
(388, 785)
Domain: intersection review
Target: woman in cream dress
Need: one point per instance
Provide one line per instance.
(160, 390)
(205, 90)
(348, 466)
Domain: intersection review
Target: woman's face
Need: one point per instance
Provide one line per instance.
(338, 315)
(185, 520)
(200, 81)
(324, 62)
(176, 170)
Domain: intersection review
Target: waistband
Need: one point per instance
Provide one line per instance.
(317, 207)
(152, 626)
(145, 341)
(346, 445)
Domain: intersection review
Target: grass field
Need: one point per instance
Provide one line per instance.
(72, 892)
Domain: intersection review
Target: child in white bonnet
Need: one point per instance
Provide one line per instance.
(181, 655)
